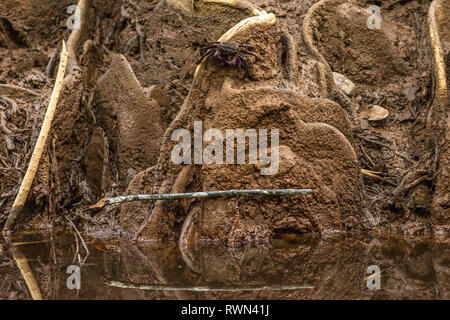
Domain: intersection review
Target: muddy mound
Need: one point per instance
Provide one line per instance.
(392, 67)
(365, 55)
(222, 98)
(131, 120)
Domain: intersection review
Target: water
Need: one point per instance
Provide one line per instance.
(290, 268)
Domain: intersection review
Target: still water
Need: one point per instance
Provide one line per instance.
(59, 266)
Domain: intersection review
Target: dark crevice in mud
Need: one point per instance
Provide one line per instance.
(287, 233)
(9, 33)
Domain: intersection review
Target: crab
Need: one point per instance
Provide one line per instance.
(231, 54)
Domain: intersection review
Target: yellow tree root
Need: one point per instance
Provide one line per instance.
(27, 181)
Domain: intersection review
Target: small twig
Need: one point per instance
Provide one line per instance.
(12, 87)
(12, 104)
(7, 195)
(374, 175)
(412, 111)
(417, 181)
(206, 194)
(29, 243)
(416, 20)
(6, 264)
(384, 145)
(375, 142)
(417, 176)
(77, 253)
(8, 133)
(81, 238)
(53, 250)
(3, 161)
(51, 64)
(367, 156)
(142, 39)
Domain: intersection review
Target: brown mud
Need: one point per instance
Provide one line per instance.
(133, 80)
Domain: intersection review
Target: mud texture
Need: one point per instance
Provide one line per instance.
(133, 80)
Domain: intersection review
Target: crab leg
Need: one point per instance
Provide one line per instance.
(237, 62)
(248, 52)
(244, 64)
(207, 48)
(217, 54)
(210, 52)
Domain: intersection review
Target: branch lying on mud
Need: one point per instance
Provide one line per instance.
(206, 194)
(158, 287)
(27, 181)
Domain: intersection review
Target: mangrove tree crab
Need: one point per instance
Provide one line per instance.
(231, 54)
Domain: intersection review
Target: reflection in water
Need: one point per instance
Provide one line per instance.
(290, 268)
(27, 275)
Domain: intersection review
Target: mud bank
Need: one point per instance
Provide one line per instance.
(134, 79)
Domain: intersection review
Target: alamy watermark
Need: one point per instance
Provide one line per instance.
(373, 280)
(220, 148)
(74, 280)
(374, 21)
(74, 21)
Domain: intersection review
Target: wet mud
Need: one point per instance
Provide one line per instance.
(133, 80)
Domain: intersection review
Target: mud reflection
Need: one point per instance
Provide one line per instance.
(290, 268)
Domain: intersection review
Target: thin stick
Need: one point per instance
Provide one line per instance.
(40, 144)
(384, 145)
(81, 238)
(51, 65)
(77, 253)
(373, 174)
(367, 156)
(206, 194)
(29, 243)
(11, 87)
